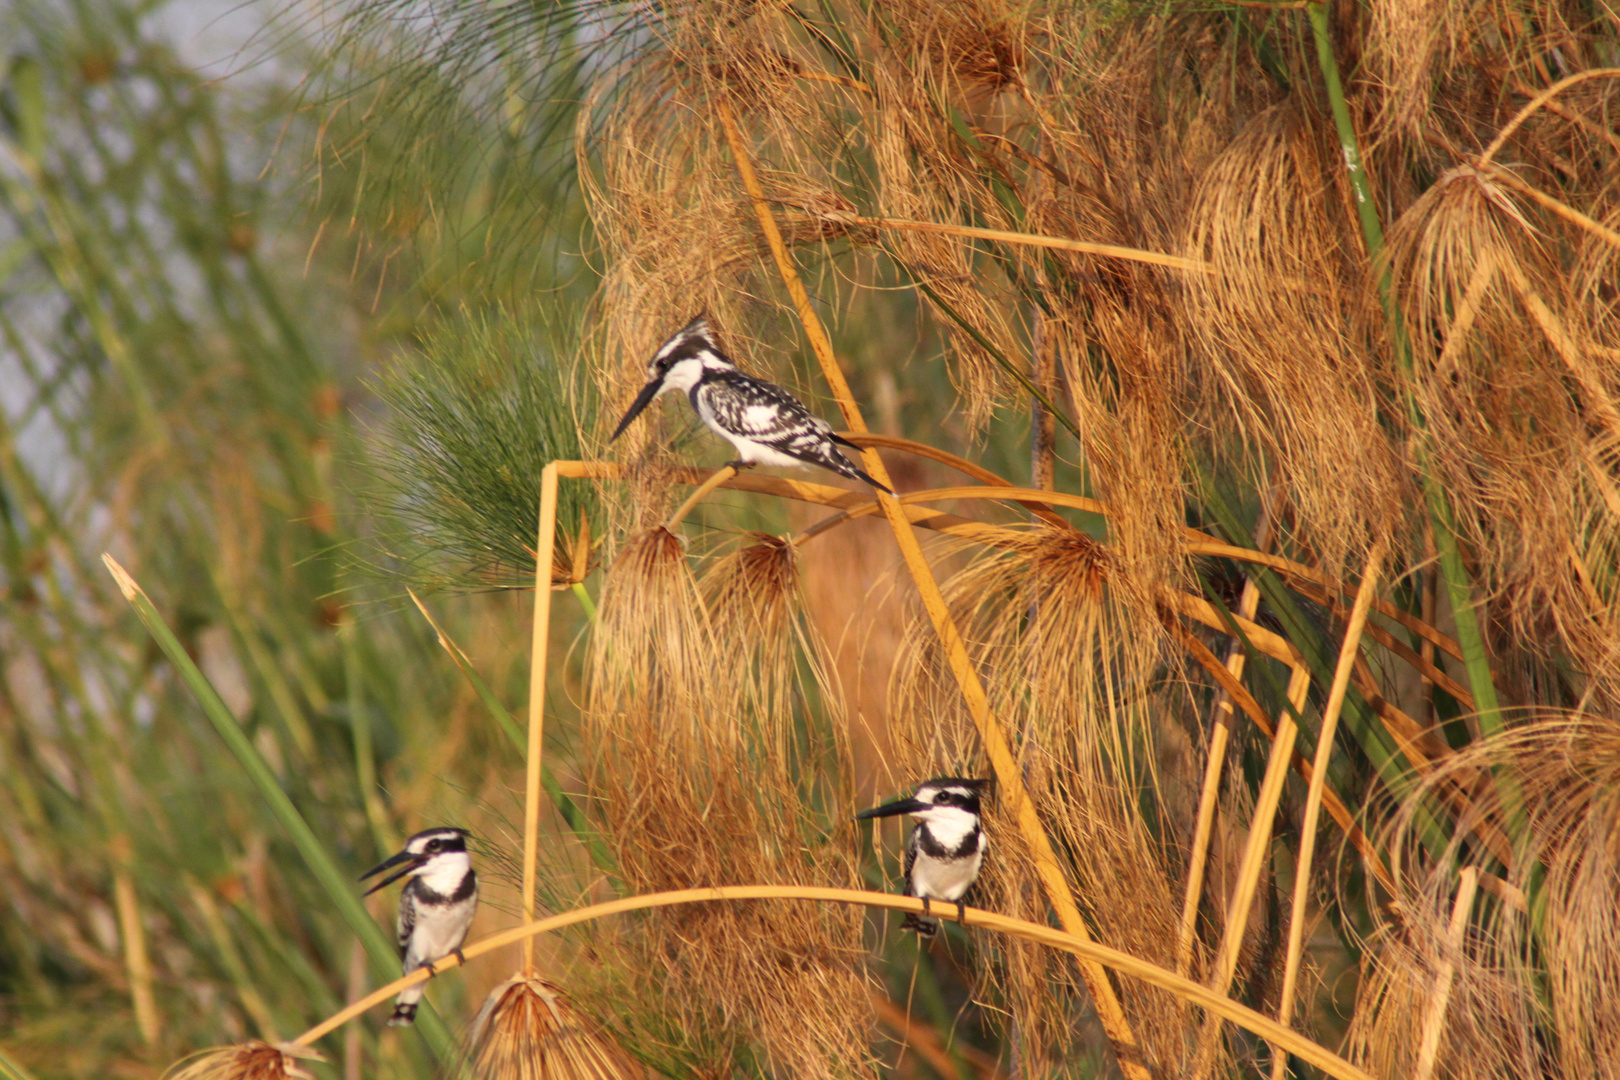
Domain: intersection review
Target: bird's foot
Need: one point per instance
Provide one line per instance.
(926, 909)
(961, 913)
(740, 465)
(922, 927)
(461, 957)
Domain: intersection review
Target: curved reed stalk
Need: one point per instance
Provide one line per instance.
(1538, 101)
(1041, 509)
(1010, 780)
(1263, 1026)
(720, 477)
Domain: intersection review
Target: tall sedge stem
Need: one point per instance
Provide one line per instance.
(545, 542)
(1008, 776)
(1458, 585)
(136, 959)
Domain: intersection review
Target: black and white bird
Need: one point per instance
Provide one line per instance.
(946, 846)
(435, 907)
(765, 423)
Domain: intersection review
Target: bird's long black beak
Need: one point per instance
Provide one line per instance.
(900, 806)
(643, 399)
(411, 863)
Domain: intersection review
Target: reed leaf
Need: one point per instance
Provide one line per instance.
(339, 890)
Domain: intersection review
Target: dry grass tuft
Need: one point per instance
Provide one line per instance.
(253, 1060)
(1534, 989)
(528, 1030)
(1510, 371)
(711, 773)
(1069, 654)
(1275, 318)
(1407, 41)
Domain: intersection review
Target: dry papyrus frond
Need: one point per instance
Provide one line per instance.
(528, 1030)
(253, 1060)
(1068, 658)
(1512, 374)
(1535, 984)
(707, 778)
(1274, 319)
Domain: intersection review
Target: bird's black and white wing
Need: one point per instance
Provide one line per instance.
(769, 425)
(406, 924)
(913, 842)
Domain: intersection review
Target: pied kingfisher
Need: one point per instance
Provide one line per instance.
(435, 907)
(765, 423)
(946, 847)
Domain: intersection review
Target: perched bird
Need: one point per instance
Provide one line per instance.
(946, 846)
(765, 423)
(435, 907)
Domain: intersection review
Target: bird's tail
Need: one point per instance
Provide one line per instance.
(885, 488)
(852, 470)
(860, 474)
(924, 927)
(405, 1007)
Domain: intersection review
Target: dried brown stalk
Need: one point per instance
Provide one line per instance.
(545, 542)
(1538, 101)
(1256, 852)
(1245, 700)
(1215, 764)
(1056, 243)
(133, 935)
(1313, 799)
(1434, 1019)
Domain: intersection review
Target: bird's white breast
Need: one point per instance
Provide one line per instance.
(439, 931)
(945, 879)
